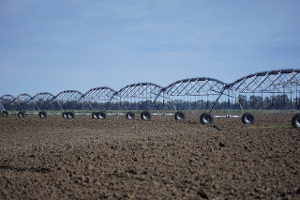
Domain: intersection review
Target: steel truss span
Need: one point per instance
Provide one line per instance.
(68, 95)
(138, 96)
(98, 98)
(100, 94)
(42, 100)
(6, 100)
(68, 99)
(42, 96)
(270, 90)
(191, 94)
(201, 86)
(277, 81)
(5, 104)
(21, 100)
(276, 89)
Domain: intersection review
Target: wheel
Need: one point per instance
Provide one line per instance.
(101, 115)
(42, 114)
(130, 115)
(145, 115)
(94, 115)
(296, 120)
(64, 115)
(179, 116)
(4, 113)
(248, 118)
(70, 115)
(206, 118)
(21, 114)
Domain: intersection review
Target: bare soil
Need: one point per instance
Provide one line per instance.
(115, 158)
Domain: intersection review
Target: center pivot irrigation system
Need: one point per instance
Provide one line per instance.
(277, 89)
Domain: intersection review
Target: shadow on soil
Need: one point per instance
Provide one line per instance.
(25, 169)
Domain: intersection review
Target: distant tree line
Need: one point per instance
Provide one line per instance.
(251, 102)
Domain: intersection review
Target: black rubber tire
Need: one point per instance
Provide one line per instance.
(145, 115)
(130, 115)
(70, 115)
(248, 118)
(296, 121)
(179, 116)
(206, 118)
(101, 115)
(4, 113)
(64, 115)
(21, 114)
(94, 115)
(42, 115)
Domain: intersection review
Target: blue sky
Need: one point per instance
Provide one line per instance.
(75, 44)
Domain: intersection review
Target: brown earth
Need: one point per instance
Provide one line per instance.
(86, 158)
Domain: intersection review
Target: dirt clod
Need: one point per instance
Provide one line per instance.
(221, 144)
(202, 194)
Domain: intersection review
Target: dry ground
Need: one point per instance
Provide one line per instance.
(86, 158)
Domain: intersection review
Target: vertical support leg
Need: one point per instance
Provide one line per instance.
(59, 105)
(214, 105)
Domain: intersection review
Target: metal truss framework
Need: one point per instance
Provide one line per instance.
(22, 98)
(42, 96)
(192, 92)
(21, 101)
(262, 83)
(268, 84)
(98, 98)
(144, 92)
(68, 99)
(195, 87)
(68, 95)
(100, 94)
(6, 101)
(41, 100)
(279, 81)
(7, 98)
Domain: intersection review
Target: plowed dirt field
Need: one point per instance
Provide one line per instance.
(115, 158)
